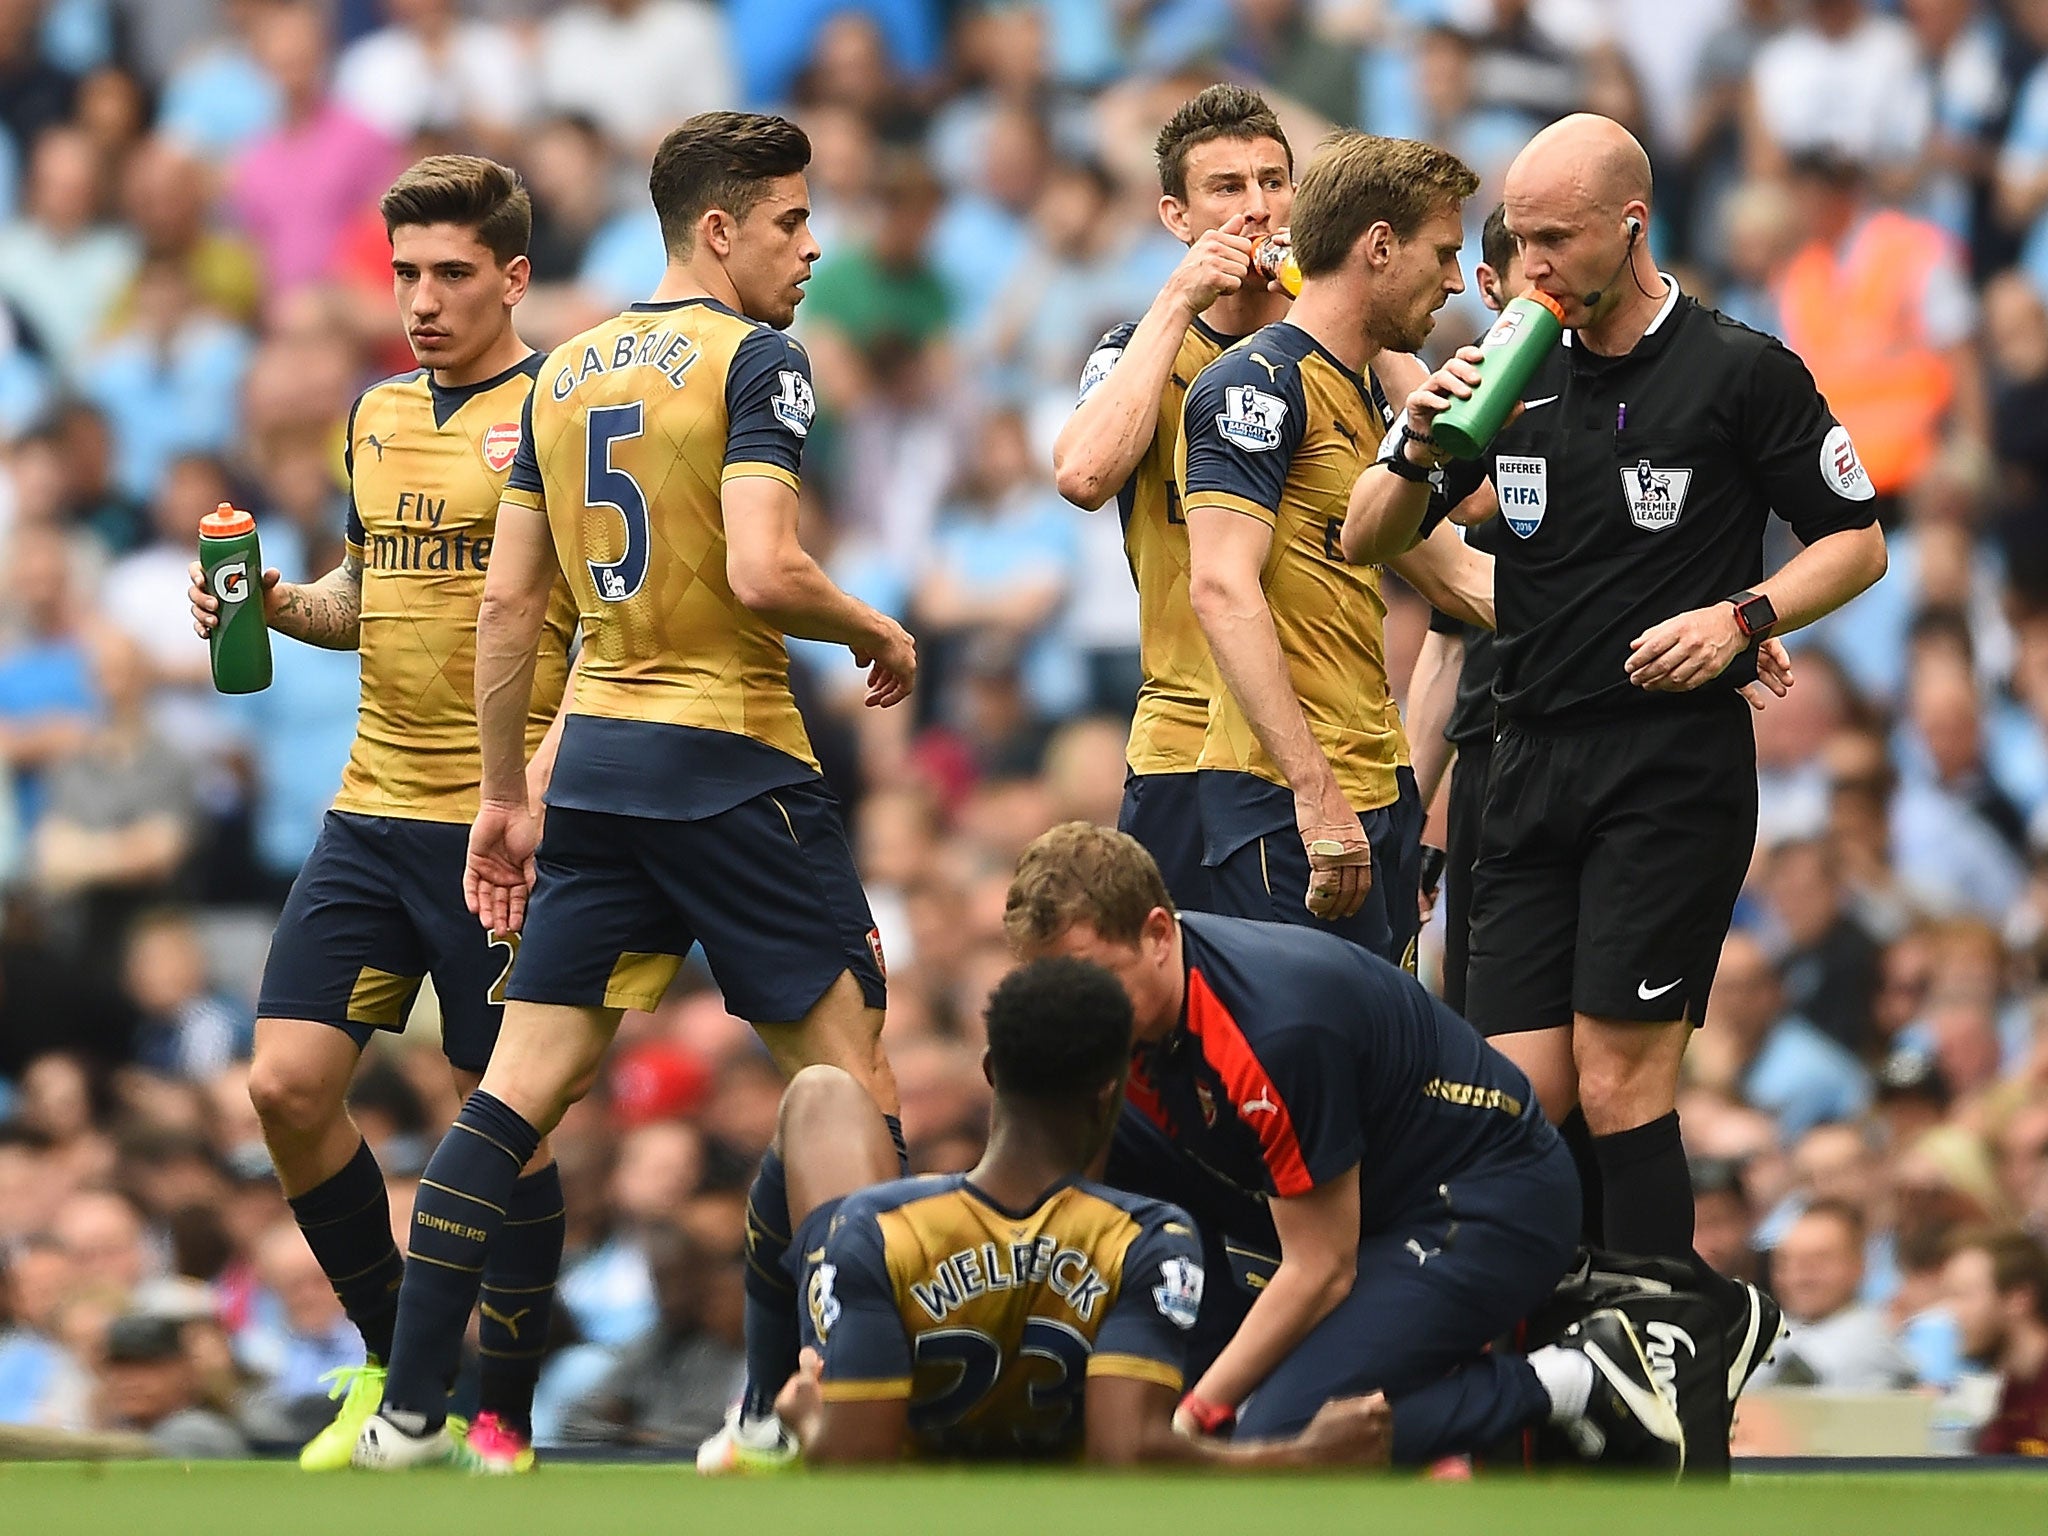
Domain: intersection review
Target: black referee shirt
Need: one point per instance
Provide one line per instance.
(1636, 488)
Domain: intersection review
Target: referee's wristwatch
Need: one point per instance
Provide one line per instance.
(1754, 616)
(1394, 453)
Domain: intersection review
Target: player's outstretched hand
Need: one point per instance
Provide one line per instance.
(1215, 265)
(1349, 1431)
(892, 667)
(1687, 650)
(1339, 857)
(206, 607)
(498, 874)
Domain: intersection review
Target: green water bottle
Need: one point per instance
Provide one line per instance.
(1520, 339)
(231, 565)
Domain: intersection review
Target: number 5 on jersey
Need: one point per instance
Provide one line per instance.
(606, 485)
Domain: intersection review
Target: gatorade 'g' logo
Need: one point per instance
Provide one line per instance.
(231, 581)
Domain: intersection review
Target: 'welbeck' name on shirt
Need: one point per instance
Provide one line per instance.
(960, 1277)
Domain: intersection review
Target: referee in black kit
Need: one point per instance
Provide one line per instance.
(1621, 810)
(1450, 693)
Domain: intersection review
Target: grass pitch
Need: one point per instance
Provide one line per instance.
(269, 1499)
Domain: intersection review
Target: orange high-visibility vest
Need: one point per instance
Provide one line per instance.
(1854, 316)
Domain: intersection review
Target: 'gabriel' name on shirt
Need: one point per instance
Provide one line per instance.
(670, 353)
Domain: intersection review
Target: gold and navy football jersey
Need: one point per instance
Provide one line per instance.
(426, 466)
(1277, 429)
(990, 1322)
(1178, 675)
(683, 705)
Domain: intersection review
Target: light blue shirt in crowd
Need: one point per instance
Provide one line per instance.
(65, 287)
(38, 680)
(219, 101)
(183, 399)
(773, 40)
(1030, 537)
(609, 1293)
(29, 1366)
(625, 259)
(1805, 1078)
(298, 731)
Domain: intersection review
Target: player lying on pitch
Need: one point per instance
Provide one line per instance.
(1018, 1310)
(1420, 1205)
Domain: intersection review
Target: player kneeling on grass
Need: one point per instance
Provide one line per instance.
(1419, 1203)
(1017, 1310)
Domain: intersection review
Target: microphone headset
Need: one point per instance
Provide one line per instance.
(1635, 231)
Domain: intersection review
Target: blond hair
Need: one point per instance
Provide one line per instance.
(1081, 873)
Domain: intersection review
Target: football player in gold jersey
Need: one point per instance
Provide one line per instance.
(379, 903)
(1020, 1310)
(1226, 178)
(658, 468)
(1309, 809)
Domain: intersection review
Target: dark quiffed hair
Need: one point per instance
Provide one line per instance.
(720, 160)
(1058, 1028)
(1361, 179)
(467, 190)
(1496, 245)
(1220, 112)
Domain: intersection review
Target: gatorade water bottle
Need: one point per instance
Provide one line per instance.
(231, 566)
(1273, 257)
(1520, 339)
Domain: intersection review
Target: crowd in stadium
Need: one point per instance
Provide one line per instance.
(194, 285)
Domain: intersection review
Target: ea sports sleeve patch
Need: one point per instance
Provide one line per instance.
(1805, 460)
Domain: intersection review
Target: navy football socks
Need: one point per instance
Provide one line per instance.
(518, 1298)
(456, 1217)
(347, 1224)
(773, 1338)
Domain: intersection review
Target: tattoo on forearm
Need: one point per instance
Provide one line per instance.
(327, 613)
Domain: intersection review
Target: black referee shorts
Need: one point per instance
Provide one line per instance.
(1610, 859)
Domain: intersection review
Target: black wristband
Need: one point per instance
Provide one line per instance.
(1398, 461)
(1432, 868)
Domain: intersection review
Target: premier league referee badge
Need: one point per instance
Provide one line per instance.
(1655, 496)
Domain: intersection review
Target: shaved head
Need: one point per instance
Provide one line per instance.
(1591, 159)
(1577, 200)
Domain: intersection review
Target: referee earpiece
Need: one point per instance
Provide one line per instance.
(1635, 233)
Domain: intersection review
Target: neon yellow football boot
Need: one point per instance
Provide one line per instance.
(361, 1390)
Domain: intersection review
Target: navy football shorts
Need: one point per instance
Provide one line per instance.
(376, 908)
(767, 887)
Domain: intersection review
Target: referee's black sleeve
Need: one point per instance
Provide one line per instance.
(1802, 457)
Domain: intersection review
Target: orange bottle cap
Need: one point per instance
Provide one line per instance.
(1547, 302)
(226, 522)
